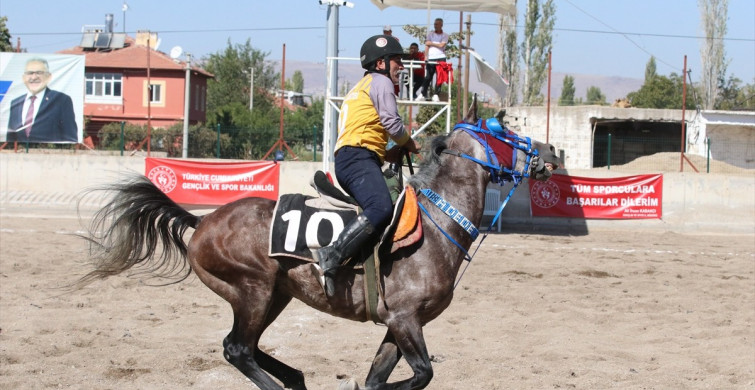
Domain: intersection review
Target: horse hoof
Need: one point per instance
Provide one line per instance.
(350, 384)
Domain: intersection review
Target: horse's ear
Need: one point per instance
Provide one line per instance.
(472, 117)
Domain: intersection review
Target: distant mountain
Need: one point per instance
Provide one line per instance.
(613, 87)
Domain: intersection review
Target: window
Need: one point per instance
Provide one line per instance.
(203, 95)
(104, 87)
(195, 97)
(155, 93)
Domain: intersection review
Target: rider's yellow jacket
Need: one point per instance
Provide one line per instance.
(369, 116)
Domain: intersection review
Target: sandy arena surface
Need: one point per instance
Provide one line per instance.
(611, 309)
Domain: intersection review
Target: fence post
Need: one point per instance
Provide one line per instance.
(314, 143)
(123, 137)
(609, 151)
(707, 156)
(217, 153)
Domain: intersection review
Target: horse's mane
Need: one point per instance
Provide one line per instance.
(430, 166)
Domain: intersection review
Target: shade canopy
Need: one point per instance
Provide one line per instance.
(495, 6)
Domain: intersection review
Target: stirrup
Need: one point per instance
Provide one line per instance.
(325, 279)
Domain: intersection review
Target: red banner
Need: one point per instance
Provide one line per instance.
(213, 183)
(631, 197)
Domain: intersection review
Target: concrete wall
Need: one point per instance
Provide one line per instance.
(732, 134)
(691, 202)
(571, 127)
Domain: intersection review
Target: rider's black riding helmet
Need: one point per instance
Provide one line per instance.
(376, 47)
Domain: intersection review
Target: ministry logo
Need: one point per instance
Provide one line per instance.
(545, 194)
(163, 177)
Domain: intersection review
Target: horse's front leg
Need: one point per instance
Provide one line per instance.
(384, 362)
(408, 337)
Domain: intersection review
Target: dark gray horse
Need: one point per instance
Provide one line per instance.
(229, 253)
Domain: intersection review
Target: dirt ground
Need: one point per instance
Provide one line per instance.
(611, 309)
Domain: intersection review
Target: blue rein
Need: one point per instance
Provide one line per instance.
(498, 174)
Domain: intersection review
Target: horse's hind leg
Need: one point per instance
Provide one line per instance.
(289, 376)
(239, 354)
(257, 364)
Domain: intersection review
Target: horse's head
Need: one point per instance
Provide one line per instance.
(542, 163)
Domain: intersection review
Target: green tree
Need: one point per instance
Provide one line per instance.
(713, 16)
(538, 40)
(345, 88)
(244, 133)
(424, 114)
(660, 92)
(299, 123)
(595, 96)
(231, 84)
(567, 92)
(650, 69)
(296, 82)
(439, 125)
(5, 44)
(510, 58)
(733, 97)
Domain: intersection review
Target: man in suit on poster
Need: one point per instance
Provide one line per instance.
(42, 114)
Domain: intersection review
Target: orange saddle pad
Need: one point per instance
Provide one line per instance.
(409, 227)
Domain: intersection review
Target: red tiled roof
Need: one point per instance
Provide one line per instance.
(131, 57)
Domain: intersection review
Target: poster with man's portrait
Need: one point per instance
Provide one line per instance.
(41, 98)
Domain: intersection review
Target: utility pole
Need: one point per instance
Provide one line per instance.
(187, 105)
(251, 88)
(330, 122)
(466, 66)
(124, 9)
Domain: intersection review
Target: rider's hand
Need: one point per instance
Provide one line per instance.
(412, 146)
(394, 154)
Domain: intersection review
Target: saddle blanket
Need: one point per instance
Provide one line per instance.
(302, 224)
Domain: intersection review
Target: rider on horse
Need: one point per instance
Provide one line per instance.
(369, 115)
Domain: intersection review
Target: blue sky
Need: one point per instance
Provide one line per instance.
(610, 38)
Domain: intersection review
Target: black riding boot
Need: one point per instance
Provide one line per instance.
(347, 245)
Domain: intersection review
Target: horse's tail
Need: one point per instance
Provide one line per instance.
(126, 232)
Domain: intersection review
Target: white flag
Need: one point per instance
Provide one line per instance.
(488, 76)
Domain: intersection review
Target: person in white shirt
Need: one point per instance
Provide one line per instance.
(435, 51)
(387, 30)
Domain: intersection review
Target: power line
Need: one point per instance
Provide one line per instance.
(622, 34)
(639, 34)
(633, 33)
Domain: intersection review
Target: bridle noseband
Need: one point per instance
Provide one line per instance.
(499, 173)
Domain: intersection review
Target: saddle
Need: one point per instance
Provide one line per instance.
(404, 230)
(302, 224)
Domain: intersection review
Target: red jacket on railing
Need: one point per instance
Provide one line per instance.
(445, 73)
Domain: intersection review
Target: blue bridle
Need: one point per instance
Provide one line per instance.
(498, 173)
